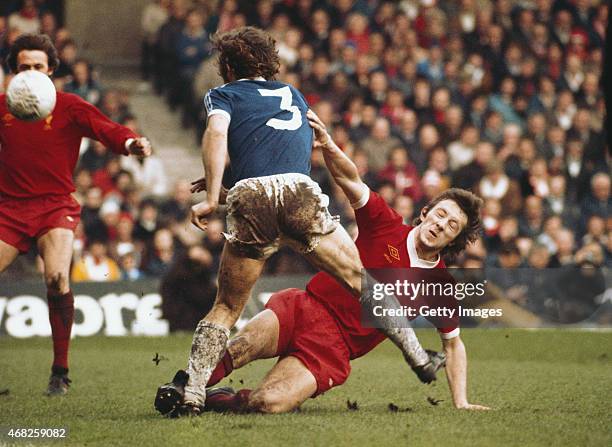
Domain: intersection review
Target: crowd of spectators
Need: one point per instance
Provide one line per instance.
(501, 97)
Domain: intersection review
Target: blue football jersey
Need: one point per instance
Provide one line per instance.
(268, 132)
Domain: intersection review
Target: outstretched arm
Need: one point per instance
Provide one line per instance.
(456, 374)
(341, 167)
(214, 152)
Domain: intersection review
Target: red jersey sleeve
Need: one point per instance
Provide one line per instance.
(376, 216)
(94, 124)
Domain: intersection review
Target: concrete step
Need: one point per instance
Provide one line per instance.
(176, 146)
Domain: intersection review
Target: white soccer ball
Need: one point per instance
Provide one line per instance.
(31, 96)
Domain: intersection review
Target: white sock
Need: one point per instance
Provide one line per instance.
(207, 349)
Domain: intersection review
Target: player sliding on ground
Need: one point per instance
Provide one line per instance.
(317, 331)
(262, 124)
(36, 205)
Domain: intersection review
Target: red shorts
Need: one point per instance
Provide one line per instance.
(309, 333)
(24, 220)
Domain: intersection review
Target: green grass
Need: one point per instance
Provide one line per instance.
(546, 388)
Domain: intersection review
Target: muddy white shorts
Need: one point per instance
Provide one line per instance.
(265, 212)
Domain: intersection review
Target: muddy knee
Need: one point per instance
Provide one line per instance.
(56, 282)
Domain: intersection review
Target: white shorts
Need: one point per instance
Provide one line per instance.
(265, 212)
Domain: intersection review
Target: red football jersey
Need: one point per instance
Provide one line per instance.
(38, 158)
(383, 243)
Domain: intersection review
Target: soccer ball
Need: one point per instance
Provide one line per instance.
(31, 96)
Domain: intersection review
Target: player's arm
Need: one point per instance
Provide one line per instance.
(456, 373)
(94, 124)
(214, 152)
(341, 167)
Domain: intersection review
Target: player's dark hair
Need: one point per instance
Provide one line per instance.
(40, 42)
(470, 204)
(248, 52)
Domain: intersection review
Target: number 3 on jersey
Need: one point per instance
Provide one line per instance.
(284, 94)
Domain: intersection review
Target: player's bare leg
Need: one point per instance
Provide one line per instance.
(288, 384)
(257, 340)
(237, 275)
(337, 254)
(8, 253)
(55, 248)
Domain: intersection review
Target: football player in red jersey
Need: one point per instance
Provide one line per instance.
(317, 331)
(37, 160)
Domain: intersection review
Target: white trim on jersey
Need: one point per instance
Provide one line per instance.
(415, 261)
(220, 112)
(365, 196)
(258, 78)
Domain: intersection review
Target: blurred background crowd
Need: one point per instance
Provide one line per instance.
(501, 97)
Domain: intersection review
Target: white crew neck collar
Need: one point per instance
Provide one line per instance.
(415, 261)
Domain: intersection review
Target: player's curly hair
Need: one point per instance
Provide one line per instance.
(40, 42)
(471, 205)
(248, 52)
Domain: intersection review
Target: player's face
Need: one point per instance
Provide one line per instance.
(33, 60)
(442, 224)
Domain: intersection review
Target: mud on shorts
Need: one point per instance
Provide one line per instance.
(308, 332)
(265, 212)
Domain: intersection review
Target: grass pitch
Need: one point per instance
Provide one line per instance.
(547, 387)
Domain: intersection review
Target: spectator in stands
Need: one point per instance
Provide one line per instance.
(599, 202)
(149, 175)
(168, 36)
(95, 265)
(565, 242)
(468, 175)
(192, 48)
(146, 222)
(177, 207)
(162, 253)
(83, 83)
(404, 205)
(379, 144)
(402, 174)
(188, 289)
(154, 15)
(95, 157)
(532, 218)
(26, 20)
(128, 264)
(67, 55)
(595, 231)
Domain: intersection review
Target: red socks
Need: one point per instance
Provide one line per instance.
(232, 403)
(61, 316)
(224, 368)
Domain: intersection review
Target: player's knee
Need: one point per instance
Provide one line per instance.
(264, 401)
(56, 282)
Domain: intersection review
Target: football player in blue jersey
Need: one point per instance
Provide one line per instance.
(261, 123)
